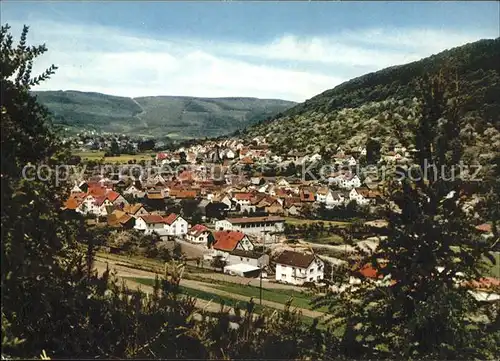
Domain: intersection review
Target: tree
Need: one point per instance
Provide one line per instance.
(50, 298)
(114, 148)
(421, 307)
(218, 262)
(373, 148)
(146, 145)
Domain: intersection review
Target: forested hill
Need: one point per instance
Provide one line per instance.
(173, 116)
(367, 106)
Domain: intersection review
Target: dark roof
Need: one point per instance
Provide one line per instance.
(299, 260)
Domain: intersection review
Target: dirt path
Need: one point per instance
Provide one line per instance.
(122, 272)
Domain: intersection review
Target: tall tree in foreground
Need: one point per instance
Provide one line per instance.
(50, 301)
(420, 307)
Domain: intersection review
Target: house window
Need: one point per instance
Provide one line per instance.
(310, 279)
(241, 258)
(311, 270)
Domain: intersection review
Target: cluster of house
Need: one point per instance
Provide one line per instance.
(237, 251)
(247, 209)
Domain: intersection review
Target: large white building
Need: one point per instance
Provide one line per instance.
(298, 268)
(258, 226)
(172, 225)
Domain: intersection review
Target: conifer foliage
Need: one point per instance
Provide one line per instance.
(419, 305)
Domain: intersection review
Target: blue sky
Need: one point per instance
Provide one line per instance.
(289, 50)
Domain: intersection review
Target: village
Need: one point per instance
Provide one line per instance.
(218, 203)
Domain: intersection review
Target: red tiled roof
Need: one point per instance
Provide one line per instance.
(170, 218)
(486, 282)
(112, 195)
(197, 230)
(72, 203)
(153, 219)
(100, 200)
(243, 196)
(227, 240)
(186, 194)
(246, 160)
(368, 271)
(97, 191)
(485, 227)
(306, 196)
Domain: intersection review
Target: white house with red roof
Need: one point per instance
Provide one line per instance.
(116, 198)
(227, 241)
(198, 234)
(150, 223)
(175, 225)
(345, 180)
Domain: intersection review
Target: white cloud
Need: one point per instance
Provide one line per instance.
(109, 60)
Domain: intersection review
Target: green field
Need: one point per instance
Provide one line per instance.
(124, 158)
(299, 299)
(299, 221)
(331, 239)
(149, 264)
(227, 301)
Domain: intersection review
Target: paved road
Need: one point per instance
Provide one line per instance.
(122, 271)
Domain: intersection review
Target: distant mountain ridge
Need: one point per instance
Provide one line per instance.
(173, 116)
(370, 105)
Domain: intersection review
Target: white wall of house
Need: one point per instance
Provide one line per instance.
(358, 198)
(88, 206)
(259, 228)
(245, 244)
(120, 200)
(141, 212)
(200, 239)
(256, 262)
(297, 276)
(101, 210)
(224, 225)
(134, 191)
(177, 228)
(141, 225)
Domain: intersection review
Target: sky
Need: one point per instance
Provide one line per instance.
(281, 50)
